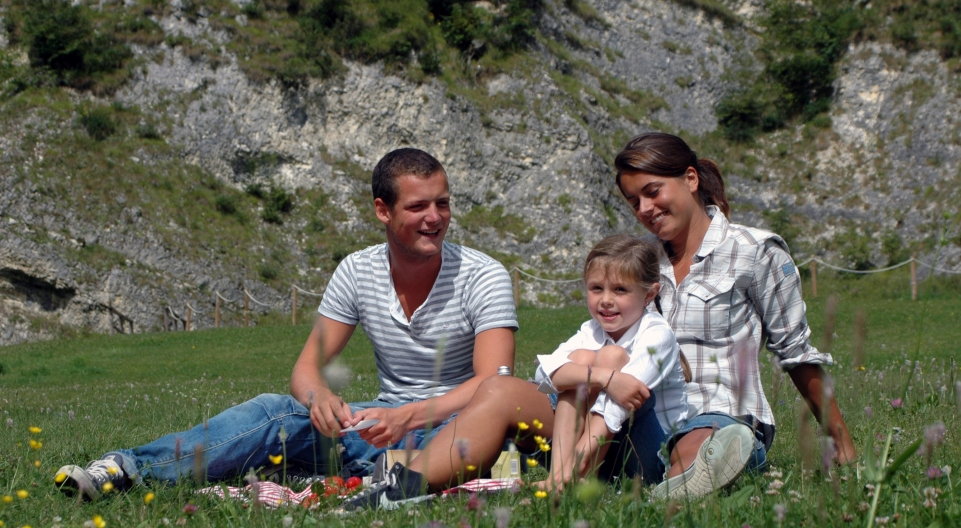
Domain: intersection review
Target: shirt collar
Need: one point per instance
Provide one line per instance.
(716, 232)
(396, 310)
(626, 341)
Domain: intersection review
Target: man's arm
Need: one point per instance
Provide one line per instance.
(327, 340)
(809, 380)
(492, 348)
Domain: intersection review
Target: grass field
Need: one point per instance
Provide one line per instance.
(93, 394)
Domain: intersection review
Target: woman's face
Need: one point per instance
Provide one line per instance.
(664, 205)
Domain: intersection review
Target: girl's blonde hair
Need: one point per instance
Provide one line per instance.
(626, 256)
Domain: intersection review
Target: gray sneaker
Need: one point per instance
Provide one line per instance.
(401, 486)
(99, 477)
(720, 460)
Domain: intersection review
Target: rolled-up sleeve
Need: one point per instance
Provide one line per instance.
(776, 293)
(547, 364)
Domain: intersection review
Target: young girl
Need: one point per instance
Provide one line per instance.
(618, 360)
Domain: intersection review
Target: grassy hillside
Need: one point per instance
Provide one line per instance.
(89, 395)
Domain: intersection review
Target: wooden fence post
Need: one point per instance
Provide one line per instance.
(246, 309)
(293, 316)
(216, 310)
(914, 281)
(187, 324)
(517, 288)
(814, 278)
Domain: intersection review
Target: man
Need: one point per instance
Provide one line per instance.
(441, 318)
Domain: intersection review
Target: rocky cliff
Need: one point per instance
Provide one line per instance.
(174, 214)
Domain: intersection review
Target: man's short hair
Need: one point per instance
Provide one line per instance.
(401, 162)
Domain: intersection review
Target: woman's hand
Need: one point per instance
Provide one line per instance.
(628, 391)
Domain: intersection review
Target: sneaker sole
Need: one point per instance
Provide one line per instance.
(720, 461)
(77, 481)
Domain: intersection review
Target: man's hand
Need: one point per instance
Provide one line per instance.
(394, 424)
(330, 414)
(628, 391)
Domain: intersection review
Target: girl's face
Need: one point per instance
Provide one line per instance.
(664, 205)
(615, 303)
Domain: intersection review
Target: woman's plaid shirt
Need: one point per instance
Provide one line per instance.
(743, 290)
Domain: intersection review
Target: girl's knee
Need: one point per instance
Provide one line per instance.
(612, 356)
(583, 357)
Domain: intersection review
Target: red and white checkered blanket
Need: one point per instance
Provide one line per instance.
(275, 495)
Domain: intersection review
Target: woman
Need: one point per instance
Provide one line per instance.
(726, 290)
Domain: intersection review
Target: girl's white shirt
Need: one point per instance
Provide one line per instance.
(654, 360)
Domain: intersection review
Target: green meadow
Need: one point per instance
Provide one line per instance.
(96, 393)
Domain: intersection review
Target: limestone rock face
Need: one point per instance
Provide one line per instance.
(540, 154)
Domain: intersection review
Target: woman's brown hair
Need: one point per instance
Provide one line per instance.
(668, 155)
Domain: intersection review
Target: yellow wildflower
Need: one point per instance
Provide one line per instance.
(540, 494)
(35, 430)
(276, 459)
(7, 499)
(522, 426)
(112, 470)
(107, 487)
(531, 462)
(99, 522)
(148, 498)
(36, 463)
(545, 447)
(471, 467)
(23, 494)
(538, 424)
(60, 477)
(35, 444)
(539, 439)
(1, 523)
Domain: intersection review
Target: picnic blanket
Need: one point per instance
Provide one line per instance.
(274, 495)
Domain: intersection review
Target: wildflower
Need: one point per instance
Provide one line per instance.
(934, 472)
(502, 517)
(847, 517)
(526, 501)
(545, 447)
(23, 494)
(863, 507)
(780, 512)
(755, 500)
(70, 415)
(190, 509)
(933, 436)
(376, 524)
(9, 422)
(276, 459)
(288, 521)
(36, 463)
(476, 503)
(522, 426)
(531, 462)
(897, 403)
(35, 430)
(540, 494)
(107, 487)
(538, 424)
(774, 473)
(946, 470)
(99, 522)
(881, 521)
(539, 439)
(7, 499)
(868, 412)
(471, 467)
(149, 497)
(462, 444)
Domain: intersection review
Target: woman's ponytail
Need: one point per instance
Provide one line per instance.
(710, 187)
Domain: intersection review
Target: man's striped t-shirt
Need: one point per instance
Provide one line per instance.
(472, 293)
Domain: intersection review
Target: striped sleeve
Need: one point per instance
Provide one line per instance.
(340, 298)
(490, 298)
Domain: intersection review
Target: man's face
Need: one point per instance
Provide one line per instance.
(418, 221)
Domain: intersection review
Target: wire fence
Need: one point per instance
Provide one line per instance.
(174, 320)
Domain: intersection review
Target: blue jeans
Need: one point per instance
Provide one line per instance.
(642, 431)
(242, 438)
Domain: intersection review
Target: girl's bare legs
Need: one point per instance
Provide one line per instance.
(593, 443)
(569, 420)
(478, 431)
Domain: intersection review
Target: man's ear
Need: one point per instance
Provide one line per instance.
(382, 210)
(652, 293)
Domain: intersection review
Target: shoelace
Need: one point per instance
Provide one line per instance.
(99, 471)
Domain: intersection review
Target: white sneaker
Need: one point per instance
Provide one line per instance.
(720, 460)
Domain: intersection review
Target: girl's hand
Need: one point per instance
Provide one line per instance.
(628, 391)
